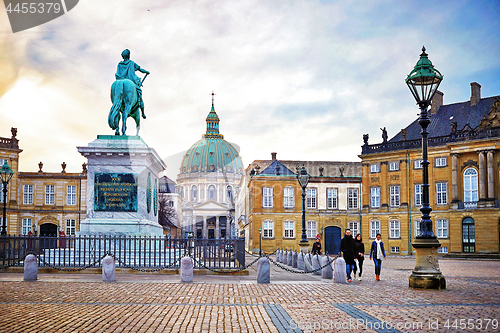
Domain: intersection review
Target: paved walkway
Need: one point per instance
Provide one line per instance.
(290, 303)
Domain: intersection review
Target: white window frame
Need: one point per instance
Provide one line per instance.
(194, 193)
(395, 195)
(394, 166)
(332, 198)
(442, 228)
(471, 185)
(267, 197)
(1, 192)
(212, 192)
(354, 226)
(417, 164)
(443, 249)
(229, 193)
(288, 197)
(394, 249)
(419, 195)
(375, 197)
(352, 198)
(394, 229)
(50, 194)
(70, 227)
(441, 162)
(374, 228)
(288, 229)
(375, 168)
(311, 197)
(268, 229)
(441, 193)
(27, 224)
(27, 194)
(71, 195)
(312, 229)
(417, 227)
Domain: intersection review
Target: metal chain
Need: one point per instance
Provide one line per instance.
(147, 270)
(223, 271)
(15, 263)
(76, 269)
(301, 272)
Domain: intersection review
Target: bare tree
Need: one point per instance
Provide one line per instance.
(166, 212)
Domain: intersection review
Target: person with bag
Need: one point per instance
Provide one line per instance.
(377, 252)
(359, 255)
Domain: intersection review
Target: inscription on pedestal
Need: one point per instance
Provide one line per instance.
(115, 192)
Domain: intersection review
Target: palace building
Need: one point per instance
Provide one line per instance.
(45, 203)
(209, 174)
(464, 178)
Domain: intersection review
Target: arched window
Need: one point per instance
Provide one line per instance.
(468, 235)
(229, 193)
(211, 192)
(470, 187)
(194, 193)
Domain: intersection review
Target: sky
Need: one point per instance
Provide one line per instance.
(302, 78)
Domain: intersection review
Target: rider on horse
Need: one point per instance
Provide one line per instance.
(126, 70)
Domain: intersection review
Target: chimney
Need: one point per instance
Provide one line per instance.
(437, 102)
(273, 156)
(475, 93)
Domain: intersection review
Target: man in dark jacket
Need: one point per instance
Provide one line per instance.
(347, 248)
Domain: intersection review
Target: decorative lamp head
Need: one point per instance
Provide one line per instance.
(303, 177)
(6, 173)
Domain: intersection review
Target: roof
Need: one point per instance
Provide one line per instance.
(166, 185)
(276, 168)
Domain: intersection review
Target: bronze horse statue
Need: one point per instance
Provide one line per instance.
(125, 104)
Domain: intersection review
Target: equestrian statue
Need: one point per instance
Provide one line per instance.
(126, 95)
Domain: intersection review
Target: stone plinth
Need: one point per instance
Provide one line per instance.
(426, 274)
(108, 269)
(122, 187)
(187, 265)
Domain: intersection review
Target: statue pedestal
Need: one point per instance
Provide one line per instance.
(426, 274)
(122, 187)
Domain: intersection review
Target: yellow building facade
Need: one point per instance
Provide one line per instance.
(464, 175)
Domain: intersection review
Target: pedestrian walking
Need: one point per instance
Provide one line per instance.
(359, 255)
(316, 247)
(377, 252)
(347, 248)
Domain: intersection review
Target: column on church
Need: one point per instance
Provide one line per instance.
(491, 175)
(217, 229)
(454, 177)
(205, 232)
(482, 177)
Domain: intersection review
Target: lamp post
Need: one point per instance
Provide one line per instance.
(260, 242)
(5, 174)
(303, 178)
(423, 82)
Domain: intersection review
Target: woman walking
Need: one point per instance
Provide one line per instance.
(359, 255)
(377, 252)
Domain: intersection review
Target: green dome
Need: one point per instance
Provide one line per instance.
(212, 153)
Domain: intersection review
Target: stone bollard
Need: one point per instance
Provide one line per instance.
(326, 272)
(294, 259)
(263, 271)
(339, 274)
(316, 265)
(300, 261)
(279, 255)
(30, 268)
(284, 260)
(307, 263)
(108, 269)
(289, 259)
(187, 265)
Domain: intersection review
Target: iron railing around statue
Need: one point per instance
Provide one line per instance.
(135, 252)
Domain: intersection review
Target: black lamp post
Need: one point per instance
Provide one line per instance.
(303, 178)
(423, 82)
(260, 241)
(5, 174)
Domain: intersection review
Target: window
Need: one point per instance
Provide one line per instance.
(354, 226)
(394, 229)
(288, 227)
(394, 196)
(49, 194)
(229, 194)
(441, 194)
(394, 249)
(418, 195)
(194, 193)
(311, 198)
(417, 227)
(267, 197)
(71, 195)
(394, 166)
(442, 228)
(311, 229)
(441, 161)
(417, 164)
(374, 228)
(470, 185)
(331, 199)
(27, 194)
(375, 197)
(374, 168)
(211, 192)
(443, 249)
(288, 198)
(352, 198)
(70, 227)
(1, 192)
(3, 161)
(26, 225)
(267, 229)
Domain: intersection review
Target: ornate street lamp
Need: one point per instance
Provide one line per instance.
(303, 178)
(423, 82)
(5, 174)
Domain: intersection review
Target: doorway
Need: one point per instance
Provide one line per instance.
(332, 240)
(468, 235)
(48, 234)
